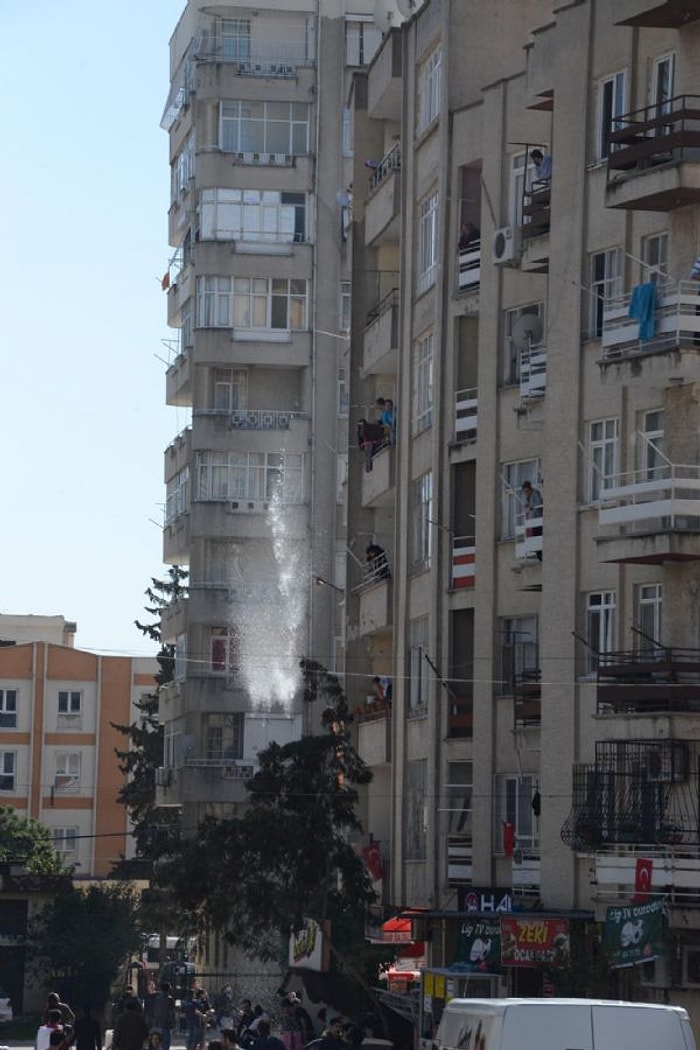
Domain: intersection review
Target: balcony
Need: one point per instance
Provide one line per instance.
(376, 605)
(669, 14)
(271, 45)
(207, 780)
(378, 482)
(651, 516)
(654, 160)
(381, 339)
(536, 210)
(675, 873)
(384, 79)
(374, 737)
(533, 373)
(384, 201)
(528, 536)
(527, 697)
(173, 619)
(676, 323)
(660, 680)
(469, 267)
(178, 381)
(178, 453)
(466, 405)
(463, 562)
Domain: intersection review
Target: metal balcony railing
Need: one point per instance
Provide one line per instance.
(377, 570)
(665, 498)
(528, 536)
(466, 405)
(463, 572)
(660, 679)
(533, 372)
(676, 322)
(389, 163)
(527, 696)
(390, 300)
(663, 133)
(469, 266)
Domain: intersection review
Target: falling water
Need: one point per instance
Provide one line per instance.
(271, 634)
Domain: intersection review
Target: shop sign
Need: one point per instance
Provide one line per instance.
(306, 946)
(484, 898)
(535, 942)
(479, 944)
(634, 933)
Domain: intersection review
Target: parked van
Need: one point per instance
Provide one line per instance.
(562, 1024)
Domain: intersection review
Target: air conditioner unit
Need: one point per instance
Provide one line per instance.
(506, 246)
(656, 974)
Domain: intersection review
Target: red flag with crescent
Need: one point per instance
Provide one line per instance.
(373, 860)
(642, 878)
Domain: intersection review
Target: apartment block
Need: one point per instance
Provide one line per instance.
(521, 276)
(57, 741)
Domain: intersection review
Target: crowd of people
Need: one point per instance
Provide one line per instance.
(150, 1024)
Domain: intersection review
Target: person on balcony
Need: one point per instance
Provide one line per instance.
(543, 170)
(387, 419)
(377, 562)
(469, 236)
(532, 508)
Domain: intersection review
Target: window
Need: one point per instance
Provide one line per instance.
(69, 702)
(265, 216)
(648, 620)
(230, 389)
(663, 85)
(347, 135)
(186, 326)
(655, 257)
(603, 445)
(423, 384)
(65, 840)
(223, 650)
(8, 708)
(214, 302)
(345, 307)
(8, 765)
(514, 474)
(343, 393)
(512, 354)
(67, 778)
(654, 462)
(427, 242)
(183, 168)
(422, 504)
(177, 495)
(429, 89)
(458, 789)
(606, 284)
(362, 40)
(513, 795)
(265, 127)
(224, 737)
(180, 667)
(419, 668)
(600, 627)
(415, 810)
(612, 104)
(254, 476)
(235, 39)
(519, 649)
(521, 171)
(272, 303)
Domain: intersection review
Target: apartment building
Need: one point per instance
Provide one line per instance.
(259, 296)
(538, 332)
(57, 741)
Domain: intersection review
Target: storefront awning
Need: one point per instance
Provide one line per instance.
(396, 931)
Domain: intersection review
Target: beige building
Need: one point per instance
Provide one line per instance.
(539, 502)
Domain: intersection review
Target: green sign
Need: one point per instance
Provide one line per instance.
(479, 944)
(634, 933)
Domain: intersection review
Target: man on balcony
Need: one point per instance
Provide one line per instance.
(469, 236)
(532, 509)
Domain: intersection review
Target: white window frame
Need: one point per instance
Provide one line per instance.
(224, 651)
(343, 393)
(605, 285)
(68, 764)
(177, 495)
(183, 168)
(65, 839)
(214, 304)
(603, 456)
(654, 463)
(662, 86)
(600, 626)
(348, 132)
(512, 355)
(655, 256)
(513, 475)
(363, 39)
(8, 708)
(70, 703)
(224, 736)
(427, 241)
(421, 518)
(247, 126)
(257, 302)
(250, 476)
(235, 39)
(229, 389)
(186, 325)
(423, 383)
(613, 103)
(648, 601)
(418, 667)
(8, 770)
(513, 794)
(459, 783)
(253, 216)
(429, 90)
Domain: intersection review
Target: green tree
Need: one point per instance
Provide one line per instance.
(155, 827)
(78, 942)
(288, 856)
(25, 839)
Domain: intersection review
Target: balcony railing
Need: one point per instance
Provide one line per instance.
(389, 163)
(463, 562)
(659, 499)
(466, 405)
(377, 570)
(527, 694)
(469, 267)
(663, 133)
(536, 209)
(226, 768)
(676, 322)
(533, 373)
(661, 679)
(263, 419)
(390, 300)
(528, 536)
(266, 52)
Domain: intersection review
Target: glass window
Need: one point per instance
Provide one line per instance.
(252, 476)
(65, 840)
(362, 40)
(177, 494)
(513, 797)
(235, 39)
(8, 708)
(230, 388)
(429, 89)
(187, 324)
(252, 215)
(606, 284)
(214, 302)
(654, 462)
(415, 810)
(603, 447)
(655, 258)
(427, 242)
(345, 306)
(512, 354)
(663, 85)
(514, 474)
(224, 650)
(649, 603)
(458, 789)
(519, 650)
(600, 627)
(521, 174)
(264, 127)
(8, 764)
(422, 503)
(69, 702)
(612, 104)
(419, 668)
(224, 737)
(67, 779)
(423, 384)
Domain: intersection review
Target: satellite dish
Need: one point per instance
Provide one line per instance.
(408, 8)
(527, 331)
(386, 15)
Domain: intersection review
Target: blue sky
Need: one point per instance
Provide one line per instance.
(85, 189)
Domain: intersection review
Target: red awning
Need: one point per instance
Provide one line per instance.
(414, 950)
(397, 931)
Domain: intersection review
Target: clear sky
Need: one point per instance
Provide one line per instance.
(85, 193)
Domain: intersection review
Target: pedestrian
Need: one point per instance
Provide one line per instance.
(53, 1002)
(162, 1013)
(130, 1029)
(265, 1041)
(52, 1023)
(87, 1033)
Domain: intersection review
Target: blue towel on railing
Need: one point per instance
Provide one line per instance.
(642, 308)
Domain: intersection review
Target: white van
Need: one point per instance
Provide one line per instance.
(562, 1024)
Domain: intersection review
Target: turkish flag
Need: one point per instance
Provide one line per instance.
(642, 878)
(508, 838)
(373, 860)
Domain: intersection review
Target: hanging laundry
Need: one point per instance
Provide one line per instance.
(642, 308)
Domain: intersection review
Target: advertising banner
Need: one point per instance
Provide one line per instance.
(479, 944)
(634, 933)
(535, 942)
